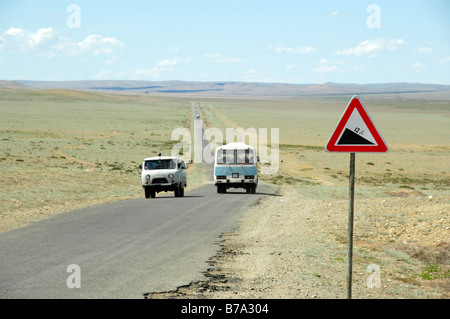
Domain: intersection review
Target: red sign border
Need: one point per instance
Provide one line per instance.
(331, 146)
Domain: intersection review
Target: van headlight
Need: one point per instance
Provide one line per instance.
(147, 177)
(170, 175)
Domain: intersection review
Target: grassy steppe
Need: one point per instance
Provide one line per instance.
(64, 149)
(71, 148)
(402, 197)
(417, 133)
(61, 150)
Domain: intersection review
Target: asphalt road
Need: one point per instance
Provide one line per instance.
(123, 249)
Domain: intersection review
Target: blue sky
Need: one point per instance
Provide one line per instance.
(212, 40)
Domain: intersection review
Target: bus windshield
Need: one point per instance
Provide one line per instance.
(239, 156)
(159, 164)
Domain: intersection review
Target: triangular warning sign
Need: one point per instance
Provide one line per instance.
(356, 132)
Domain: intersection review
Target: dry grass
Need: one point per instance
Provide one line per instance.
(402, 197)
(62, 150)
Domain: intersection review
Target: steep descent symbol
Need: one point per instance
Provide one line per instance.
(356, 132)
(352, 138)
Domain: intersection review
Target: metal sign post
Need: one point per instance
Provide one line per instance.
(355, 132)
(350, 224)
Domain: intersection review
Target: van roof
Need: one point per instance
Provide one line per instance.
(162, 158)
(238, 145)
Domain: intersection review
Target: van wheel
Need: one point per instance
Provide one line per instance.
(178, 191)
(149, 192)
(181, 191)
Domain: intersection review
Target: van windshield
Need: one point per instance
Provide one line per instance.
(159, 164)
(240, 156)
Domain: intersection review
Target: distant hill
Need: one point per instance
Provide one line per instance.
(11, 85)
(228, 89)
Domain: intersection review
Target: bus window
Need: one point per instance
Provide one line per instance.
(249, 157)
(225, 157)
(220, 158)
(245, 157)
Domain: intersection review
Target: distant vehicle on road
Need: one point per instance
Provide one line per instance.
(235, 166)
(163, 173)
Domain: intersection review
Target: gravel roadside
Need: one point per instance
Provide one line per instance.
(293, 246)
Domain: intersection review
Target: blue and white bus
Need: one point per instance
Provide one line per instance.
(235, 166)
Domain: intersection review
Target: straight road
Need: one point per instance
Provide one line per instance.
(123, 249)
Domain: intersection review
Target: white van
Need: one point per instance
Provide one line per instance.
(235, 166)
(163, 173)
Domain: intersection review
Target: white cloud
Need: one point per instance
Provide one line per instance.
(280, 48)
(445, 60)
(164, 66)
(42, 37)
(153, 73)
(424, 50)
(15, 32)
(113, 60)
(97, 44)
(326, 66)
(325, 69)
(371, 47)
(417, 65)
(289, 67)
(334, 13)
(103, 75)
(173, 49)
(168, 63)
(46, 42)
(219, 58)
(16, 39)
